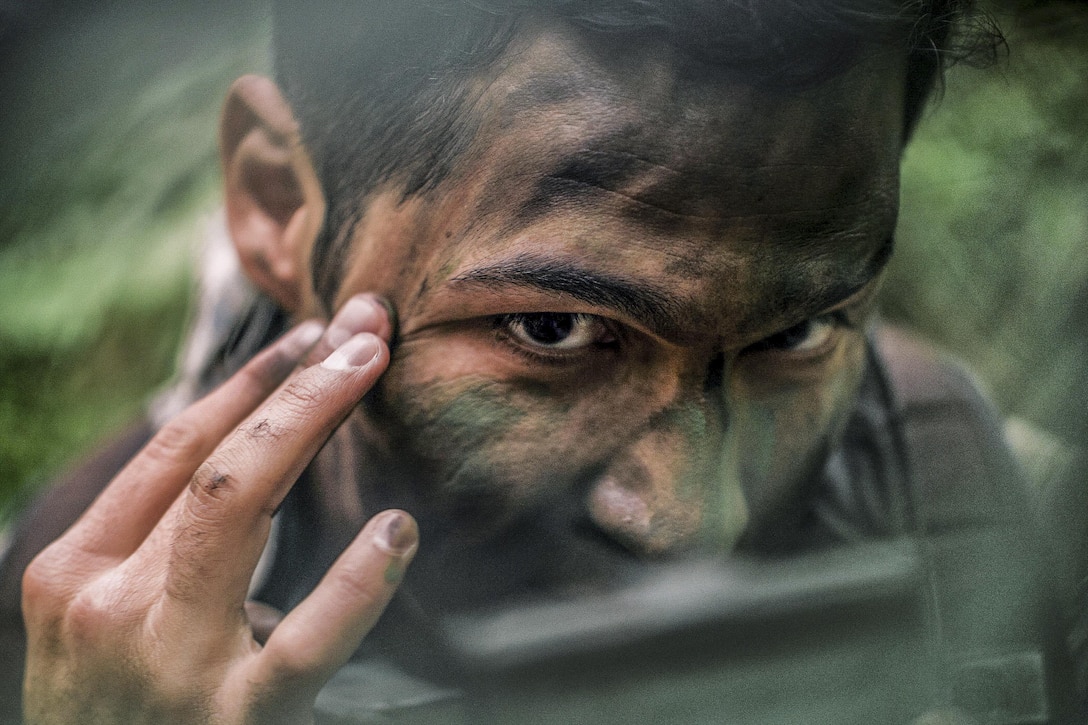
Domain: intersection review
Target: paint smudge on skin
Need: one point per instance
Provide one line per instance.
(469, 419)
(394, 572)
(453, 429)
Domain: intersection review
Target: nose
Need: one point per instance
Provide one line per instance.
(674, 489)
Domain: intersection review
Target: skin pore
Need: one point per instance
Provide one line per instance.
(635, 314)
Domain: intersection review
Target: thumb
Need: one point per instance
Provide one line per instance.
(319, 635)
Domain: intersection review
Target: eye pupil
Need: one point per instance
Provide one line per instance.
(558, 332)
(548, 328)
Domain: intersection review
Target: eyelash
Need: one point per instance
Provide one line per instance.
(541, 355)
(839, 319)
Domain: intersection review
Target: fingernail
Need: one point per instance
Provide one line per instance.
(362, 313)
(302, 338)
(391, 314)
(355, 353)
(398, 534)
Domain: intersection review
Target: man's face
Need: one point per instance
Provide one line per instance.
(640, 300)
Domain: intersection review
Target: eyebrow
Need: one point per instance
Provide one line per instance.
(639, 301)
(794, 298)
(660, 312)
(842, 289)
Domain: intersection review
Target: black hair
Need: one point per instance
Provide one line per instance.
(379, 86)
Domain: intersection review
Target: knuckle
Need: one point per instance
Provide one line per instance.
(302, 397)
(102, 611)
(213, 499)
(263, 429)
(40, 583)
(50, 578)
(86, 617)
(212, 484)
(295, 658)
(178, 440)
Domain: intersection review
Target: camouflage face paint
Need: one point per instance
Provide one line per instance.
(700, 226)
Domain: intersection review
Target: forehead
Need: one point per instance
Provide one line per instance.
(685, 139)
(636, 165)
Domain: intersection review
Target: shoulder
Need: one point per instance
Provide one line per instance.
(1006, 540)
(962, 470)
(923, 448)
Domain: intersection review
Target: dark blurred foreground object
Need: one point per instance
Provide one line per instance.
(845, 637)
(837, 638)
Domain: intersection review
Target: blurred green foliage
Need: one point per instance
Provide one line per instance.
(108, 152)
(993, 230)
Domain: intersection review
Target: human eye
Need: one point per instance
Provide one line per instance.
(807, 338)
(555, 332)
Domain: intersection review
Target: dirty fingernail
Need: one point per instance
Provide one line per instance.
(357, 352)
(398, 534)
(391, 315)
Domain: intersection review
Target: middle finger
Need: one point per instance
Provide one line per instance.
(223, 520)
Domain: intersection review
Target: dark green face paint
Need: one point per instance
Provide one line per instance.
(454, 429)
(702, 246)
(459, 429)
(473, 416)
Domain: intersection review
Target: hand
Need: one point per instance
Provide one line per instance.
(136, 614)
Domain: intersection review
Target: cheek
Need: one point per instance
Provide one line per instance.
(781, 434)
(480, 432)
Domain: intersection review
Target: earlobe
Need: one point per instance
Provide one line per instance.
(275, 207)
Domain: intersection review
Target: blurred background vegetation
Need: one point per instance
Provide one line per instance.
(108, 173)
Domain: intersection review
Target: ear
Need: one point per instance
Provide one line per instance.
(274, 203)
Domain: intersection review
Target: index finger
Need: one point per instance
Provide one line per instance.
(361, 313)
(223, 520)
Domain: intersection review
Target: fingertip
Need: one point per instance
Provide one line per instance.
(304, 336)
(357, 352)
(396, 533)
(361, 313)
(389, 331)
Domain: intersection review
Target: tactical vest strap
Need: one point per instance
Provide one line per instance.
(993, 614)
